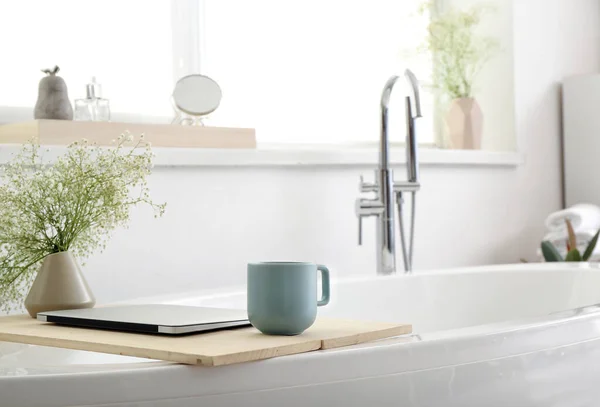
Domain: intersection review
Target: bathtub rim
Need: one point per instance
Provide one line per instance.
(451, 337)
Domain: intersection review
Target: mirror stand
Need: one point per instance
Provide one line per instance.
(186, 119)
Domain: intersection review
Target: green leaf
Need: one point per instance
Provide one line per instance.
(590, 247)
(573, 255)
(550, 253)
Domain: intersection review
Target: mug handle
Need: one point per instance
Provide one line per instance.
(325, 285)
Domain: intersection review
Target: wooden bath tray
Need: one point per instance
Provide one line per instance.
(209, 349)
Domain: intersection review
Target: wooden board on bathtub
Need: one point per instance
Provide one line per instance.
(209, 349)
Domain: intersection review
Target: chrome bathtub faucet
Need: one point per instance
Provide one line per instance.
(388, 192)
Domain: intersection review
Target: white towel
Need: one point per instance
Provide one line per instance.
(582, 217)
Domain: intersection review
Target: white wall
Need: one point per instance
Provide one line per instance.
(554, 39)
(218, 219)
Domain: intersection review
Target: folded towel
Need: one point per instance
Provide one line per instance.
(582, 216)
(559, 240)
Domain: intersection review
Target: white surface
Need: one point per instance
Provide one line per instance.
(480, 339)
(581, 121)
(219, 219)
(301, 155)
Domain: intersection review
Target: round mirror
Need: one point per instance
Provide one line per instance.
(197, 95)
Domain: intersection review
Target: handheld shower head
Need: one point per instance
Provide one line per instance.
(414, 83)
(412, 163)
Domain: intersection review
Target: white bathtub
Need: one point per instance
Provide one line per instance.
(519, 335)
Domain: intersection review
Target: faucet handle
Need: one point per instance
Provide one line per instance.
(406, 186)
(367, 186)
(364, 208)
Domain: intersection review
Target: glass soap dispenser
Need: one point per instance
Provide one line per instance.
(93, 108)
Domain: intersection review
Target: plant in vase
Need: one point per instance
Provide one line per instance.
(52, 214)
(551, 254)
(459, 54)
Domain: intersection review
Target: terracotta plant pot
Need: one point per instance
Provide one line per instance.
(465, 124)
(59, 285)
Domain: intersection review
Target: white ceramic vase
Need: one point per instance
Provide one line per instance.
(465, 124)
(59, 285)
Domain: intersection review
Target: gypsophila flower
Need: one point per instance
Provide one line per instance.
(72, 205)
(459, 51)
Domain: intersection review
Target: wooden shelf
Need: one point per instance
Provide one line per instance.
(64, 132)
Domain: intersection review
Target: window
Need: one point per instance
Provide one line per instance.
(307, 71)
(312, 71)
(128, 51)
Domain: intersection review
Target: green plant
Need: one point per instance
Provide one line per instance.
(552, 255)
(458, 52)
(72, 205)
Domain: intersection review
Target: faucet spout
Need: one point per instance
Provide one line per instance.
(389, 193)
(384, 143)
(414, 84)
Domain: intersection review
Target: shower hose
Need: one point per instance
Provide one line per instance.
(407, 251)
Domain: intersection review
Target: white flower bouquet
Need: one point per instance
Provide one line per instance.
(71, 205)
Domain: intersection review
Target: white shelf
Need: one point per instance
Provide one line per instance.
(269, 156)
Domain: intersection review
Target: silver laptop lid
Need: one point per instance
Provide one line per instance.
(149, 318)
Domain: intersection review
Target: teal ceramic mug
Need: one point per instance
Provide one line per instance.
(282, 296)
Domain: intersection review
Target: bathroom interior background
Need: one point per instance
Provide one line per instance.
(219, 217)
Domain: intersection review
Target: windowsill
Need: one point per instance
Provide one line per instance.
(288, 155)
(271, 155)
